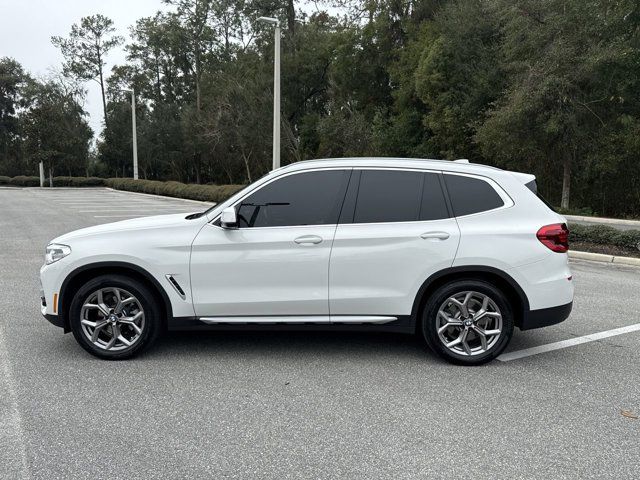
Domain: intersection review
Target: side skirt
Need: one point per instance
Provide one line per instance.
(350, 323)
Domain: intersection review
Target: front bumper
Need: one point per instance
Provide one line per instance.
(56, 320)
(545, 316)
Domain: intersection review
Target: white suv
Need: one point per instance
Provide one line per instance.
(456, 252)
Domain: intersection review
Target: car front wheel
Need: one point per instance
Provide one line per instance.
(114, 317)
(467, 322)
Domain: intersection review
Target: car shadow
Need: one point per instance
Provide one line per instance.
(294, 343)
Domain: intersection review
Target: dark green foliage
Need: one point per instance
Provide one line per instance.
(605, 235)
(542, 86)
(24, 181)
(206, 193)
(77, 182)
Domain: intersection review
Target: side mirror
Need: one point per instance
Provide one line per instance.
(229, 219)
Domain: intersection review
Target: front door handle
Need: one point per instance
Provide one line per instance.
(308, 239)
(435, 235)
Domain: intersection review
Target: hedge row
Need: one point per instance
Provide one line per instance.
(20, 181)
(605, 235)
(24, 181)
(205, 193)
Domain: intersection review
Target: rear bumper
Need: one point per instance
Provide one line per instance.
(545, 316)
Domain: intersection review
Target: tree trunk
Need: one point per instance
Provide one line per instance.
(198, 106)
(51, 177)
(566, 183)
(291, 16)
(245, 158)
(104, 99)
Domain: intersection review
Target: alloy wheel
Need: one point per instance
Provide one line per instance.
(469, 323)
(112, 319)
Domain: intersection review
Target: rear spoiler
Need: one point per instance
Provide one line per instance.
(527, 180)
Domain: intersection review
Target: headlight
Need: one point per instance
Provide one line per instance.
(55, 252)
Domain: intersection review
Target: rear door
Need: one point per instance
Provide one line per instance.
(395, 230)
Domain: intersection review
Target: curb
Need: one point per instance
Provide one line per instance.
(592, 220)
(600, 257)
(208, 204)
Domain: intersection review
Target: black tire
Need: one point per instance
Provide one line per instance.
(152, 315)
(429, 321)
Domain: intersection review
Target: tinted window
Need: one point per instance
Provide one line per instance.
(388, 196)
(433, 206)
(312, 198)
(471, 195)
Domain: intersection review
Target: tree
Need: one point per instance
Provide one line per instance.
(54, 128)
(86, 48)
(12, 80)
(458, 75)
(566, 62)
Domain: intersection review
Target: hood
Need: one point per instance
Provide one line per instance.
(142, 223)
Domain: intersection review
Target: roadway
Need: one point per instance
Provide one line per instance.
(298, 405)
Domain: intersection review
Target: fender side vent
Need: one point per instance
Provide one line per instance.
(176, 286)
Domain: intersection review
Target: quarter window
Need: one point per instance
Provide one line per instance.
(310, 198)
(471, 195)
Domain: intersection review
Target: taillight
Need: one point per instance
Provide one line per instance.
(555, 237)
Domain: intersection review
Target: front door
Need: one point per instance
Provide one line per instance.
(276, 263)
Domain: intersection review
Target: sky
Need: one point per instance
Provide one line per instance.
(26, 27)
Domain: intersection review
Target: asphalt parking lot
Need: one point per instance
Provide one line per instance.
(304, 405)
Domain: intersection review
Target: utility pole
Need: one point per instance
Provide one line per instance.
(135, 136)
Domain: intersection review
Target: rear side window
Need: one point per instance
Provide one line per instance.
(310, 198)
(399, 196)
(388, 196)
(471, 195)
(433, 206)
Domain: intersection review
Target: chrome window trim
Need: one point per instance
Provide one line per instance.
(508, 201)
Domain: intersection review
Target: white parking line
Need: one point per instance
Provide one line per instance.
(527, 352)
(121, 216)
(12, 439)
(138, 209)
(111, 202)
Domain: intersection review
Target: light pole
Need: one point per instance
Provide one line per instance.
(276, 90)
(133, 127)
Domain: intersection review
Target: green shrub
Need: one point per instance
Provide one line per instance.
(4, 180)
(579, 211)
(605, 235)
(205, 193)
(24, 181)
(77, 182)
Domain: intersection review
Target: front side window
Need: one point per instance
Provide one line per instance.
(309, 198)
(471, 195)
(399, 196)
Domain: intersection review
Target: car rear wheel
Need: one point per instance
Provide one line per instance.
(114, 317)
(467, 322)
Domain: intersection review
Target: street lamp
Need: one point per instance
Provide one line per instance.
(133, 127)
(276, 90)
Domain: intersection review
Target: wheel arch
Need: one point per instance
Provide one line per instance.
(514, 293)
(80, 275)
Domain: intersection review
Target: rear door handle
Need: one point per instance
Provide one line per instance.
(308, 239)
(435, 235)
